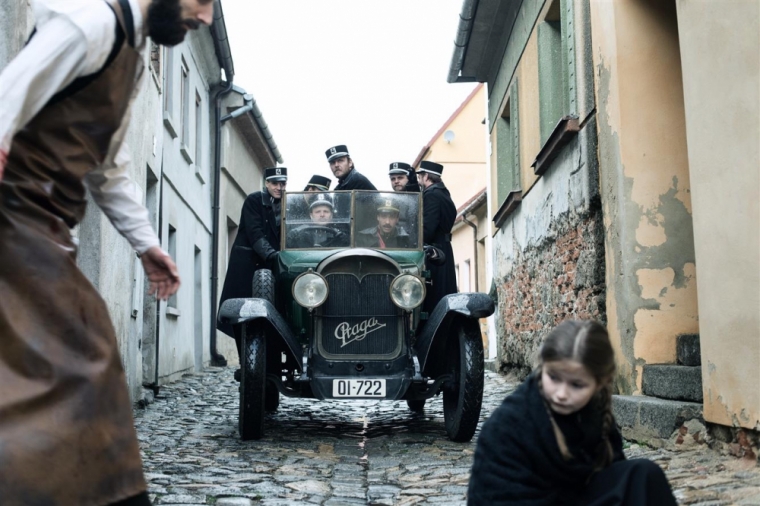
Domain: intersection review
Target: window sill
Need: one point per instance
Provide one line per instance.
(511, 203)
(186, 154)
(172, 311)
(199, 174)
(169, 124)
(566, 129)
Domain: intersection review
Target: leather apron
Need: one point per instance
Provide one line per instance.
(67, 435)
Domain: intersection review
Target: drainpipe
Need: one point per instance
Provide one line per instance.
(475, 247)
(217, 359)
(224, 56)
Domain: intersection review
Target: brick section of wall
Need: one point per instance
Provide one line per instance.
(561, 278)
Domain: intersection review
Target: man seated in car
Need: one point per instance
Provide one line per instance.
(387, 233)
(321, 232)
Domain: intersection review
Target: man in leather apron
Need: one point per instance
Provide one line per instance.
(66, 430)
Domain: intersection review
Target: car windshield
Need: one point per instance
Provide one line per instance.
(362, 219)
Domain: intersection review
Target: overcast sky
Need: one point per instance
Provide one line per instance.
(370, 74)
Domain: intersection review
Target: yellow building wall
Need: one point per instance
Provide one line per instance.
(464, 158)
(720, 52)
(645, 184)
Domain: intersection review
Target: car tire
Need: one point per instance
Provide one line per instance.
(252, 383)
(463, 395)
(263, 285)
(416, 405)
(263, 288)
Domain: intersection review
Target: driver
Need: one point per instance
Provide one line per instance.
(388, 233)
(321, 232)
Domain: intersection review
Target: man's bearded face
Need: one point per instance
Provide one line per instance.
(169, 20)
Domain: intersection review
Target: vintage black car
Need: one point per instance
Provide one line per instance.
(340, 317)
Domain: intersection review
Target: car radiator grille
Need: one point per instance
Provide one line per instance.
(359, 318)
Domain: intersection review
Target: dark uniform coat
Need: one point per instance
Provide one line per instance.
(369, 238)
(517, 460)
(355, 181)
(257, 240)
(66, 431)
(438, 215)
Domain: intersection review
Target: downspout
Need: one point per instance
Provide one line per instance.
(224, 57)
(217, 359)
(475, 247)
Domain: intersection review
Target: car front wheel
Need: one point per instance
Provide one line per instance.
(463, 394)
(252, 383)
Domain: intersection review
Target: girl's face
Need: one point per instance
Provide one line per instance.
(567, 385)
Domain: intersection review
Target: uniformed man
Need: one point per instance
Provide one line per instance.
(321, 232)
(66, 431)
(388, 233)
(342, 167)
(438, 215)
(318, 184)
(258, 240)
(403, 177)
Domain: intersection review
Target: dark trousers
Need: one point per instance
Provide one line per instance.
(635, 482)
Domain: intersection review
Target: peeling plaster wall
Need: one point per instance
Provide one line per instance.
(549, 256)
(720, 50)
(645, 187)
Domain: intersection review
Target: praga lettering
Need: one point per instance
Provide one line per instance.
(348, 334)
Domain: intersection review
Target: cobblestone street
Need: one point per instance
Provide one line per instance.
(353, 453)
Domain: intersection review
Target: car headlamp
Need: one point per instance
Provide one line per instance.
(407, 291)
(310, 290)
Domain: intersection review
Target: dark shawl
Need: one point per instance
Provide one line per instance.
(517, 460)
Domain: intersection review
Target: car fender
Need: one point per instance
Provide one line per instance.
(456, 305)
(239, 311)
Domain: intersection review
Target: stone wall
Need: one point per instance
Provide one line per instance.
(558, 279)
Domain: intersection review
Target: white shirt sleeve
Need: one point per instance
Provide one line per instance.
(54, 57)
(119, 198)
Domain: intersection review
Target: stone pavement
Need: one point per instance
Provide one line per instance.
(353, 453)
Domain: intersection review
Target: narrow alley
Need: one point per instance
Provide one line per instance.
(353, 453)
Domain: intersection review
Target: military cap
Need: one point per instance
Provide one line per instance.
(319, 182)
(336, 152)
(400, 168)
(387, 205)
(276, 174)
(321, 200)
(431, 167)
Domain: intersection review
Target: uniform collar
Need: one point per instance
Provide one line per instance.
(348, 176)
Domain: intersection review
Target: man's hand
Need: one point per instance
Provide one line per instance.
(162, 273)
(3, 161)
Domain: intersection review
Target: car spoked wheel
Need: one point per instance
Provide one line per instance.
(416, 405)
(252, 382)
(463, 394)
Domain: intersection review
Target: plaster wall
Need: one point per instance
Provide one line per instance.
(645, 187)
(16, 22)
(720, 51)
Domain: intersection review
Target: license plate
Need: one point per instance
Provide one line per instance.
(358, 388)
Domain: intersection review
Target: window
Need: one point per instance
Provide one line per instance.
(199, 137)
(508, 148)
(156, 57)
(169, 93)
(556, 74)
(184, 117)
(171, 306)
